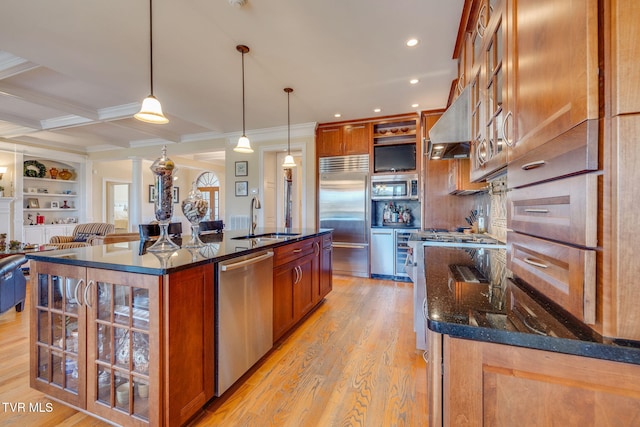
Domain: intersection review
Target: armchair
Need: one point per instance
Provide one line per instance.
(13, 285)
(83, 232)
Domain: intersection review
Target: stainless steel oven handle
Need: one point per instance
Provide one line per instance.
(240, 264)
(347, 246)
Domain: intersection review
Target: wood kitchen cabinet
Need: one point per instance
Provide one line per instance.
(114, 344)
(489, 85)
(621, 317)
(555, 71)
(459, 178)
(343, 140)
(296, 283)
(500, 385)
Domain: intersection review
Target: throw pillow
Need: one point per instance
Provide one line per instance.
(83, 237)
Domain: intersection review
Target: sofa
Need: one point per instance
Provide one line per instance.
(13, 285)
(84, 233)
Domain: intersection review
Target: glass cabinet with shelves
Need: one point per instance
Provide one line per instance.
(97, 341)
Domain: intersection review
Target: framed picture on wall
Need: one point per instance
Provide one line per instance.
(242, 168)
(242, 188)
(176, 194)
(152, 193)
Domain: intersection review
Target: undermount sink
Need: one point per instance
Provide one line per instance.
(266, 237)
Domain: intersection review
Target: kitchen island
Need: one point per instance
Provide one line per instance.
(499, 353)
(129, 336)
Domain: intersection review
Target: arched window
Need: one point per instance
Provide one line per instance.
(209, 186)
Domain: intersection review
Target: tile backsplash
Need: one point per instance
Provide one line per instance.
(494, 204)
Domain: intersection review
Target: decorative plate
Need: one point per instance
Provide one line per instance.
(34, 169)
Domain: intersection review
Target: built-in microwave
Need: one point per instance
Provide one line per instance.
(394, 187)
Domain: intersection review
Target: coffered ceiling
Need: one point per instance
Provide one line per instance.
(73, 73)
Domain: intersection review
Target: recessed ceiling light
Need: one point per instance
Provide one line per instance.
(412, 42)
(337, 115)
(413, 81)
(377, 110)
(415, 105)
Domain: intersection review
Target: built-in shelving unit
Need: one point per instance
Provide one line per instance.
(50, 203)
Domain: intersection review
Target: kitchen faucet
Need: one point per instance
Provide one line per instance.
(255, 203)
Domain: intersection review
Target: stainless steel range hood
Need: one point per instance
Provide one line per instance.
(450, 136)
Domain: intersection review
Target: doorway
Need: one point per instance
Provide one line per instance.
(118, 205)
(209, 185)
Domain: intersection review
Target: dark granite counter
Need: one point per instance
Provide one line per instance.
(133, 256)
(469, 295)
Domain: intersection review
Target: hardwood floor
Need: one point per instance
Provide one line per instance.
(352, 363)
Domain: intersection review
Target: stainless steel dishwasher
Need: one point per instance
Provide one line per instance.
(244, 319)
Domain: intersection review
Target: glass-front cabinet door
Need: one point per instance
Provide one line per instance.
(123, 346)
(95, 337)
(57, 332)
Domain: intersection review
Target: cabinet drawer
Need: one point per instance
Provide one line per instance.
(292, 251)
(564, 210)
(573, 152)
(564, 274)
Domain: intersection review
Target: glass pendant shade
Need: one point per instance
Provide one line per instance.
(244, 146)
(289, 162)
(151, 111)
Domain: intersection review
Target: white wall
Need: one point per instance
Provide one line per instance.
(264, 143)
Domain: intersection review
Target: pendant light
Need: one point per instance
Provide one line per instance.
(151, 110)
(243, 146)
(288, 160)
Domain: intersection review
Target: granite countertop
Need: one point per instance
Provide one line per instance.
(469, 295)
(133, 257)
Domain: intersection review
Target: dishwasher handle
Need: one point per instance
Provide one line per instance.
(240, 264)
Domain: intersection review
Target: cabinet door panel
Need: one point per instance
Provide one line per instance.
(357, 139)
(58, 329)
(303, 295)
(123, 326)
(502, 385)
(556, 69)
(329, 142)
(283, 313)
(624, 58)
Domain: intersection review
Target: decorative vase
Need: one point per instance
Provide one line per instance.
(163, 169)
(65, 174)
(194, 208)
(53, 172)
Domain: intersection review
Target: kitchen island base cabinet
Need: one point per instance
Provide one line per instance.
(501, 385)
(297, 279)
(114, 344)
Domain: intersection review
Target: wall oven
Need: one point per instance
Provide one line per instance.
(394, 187)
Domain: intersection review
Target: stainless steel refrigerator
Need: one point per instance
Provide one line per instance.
(343, 205)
